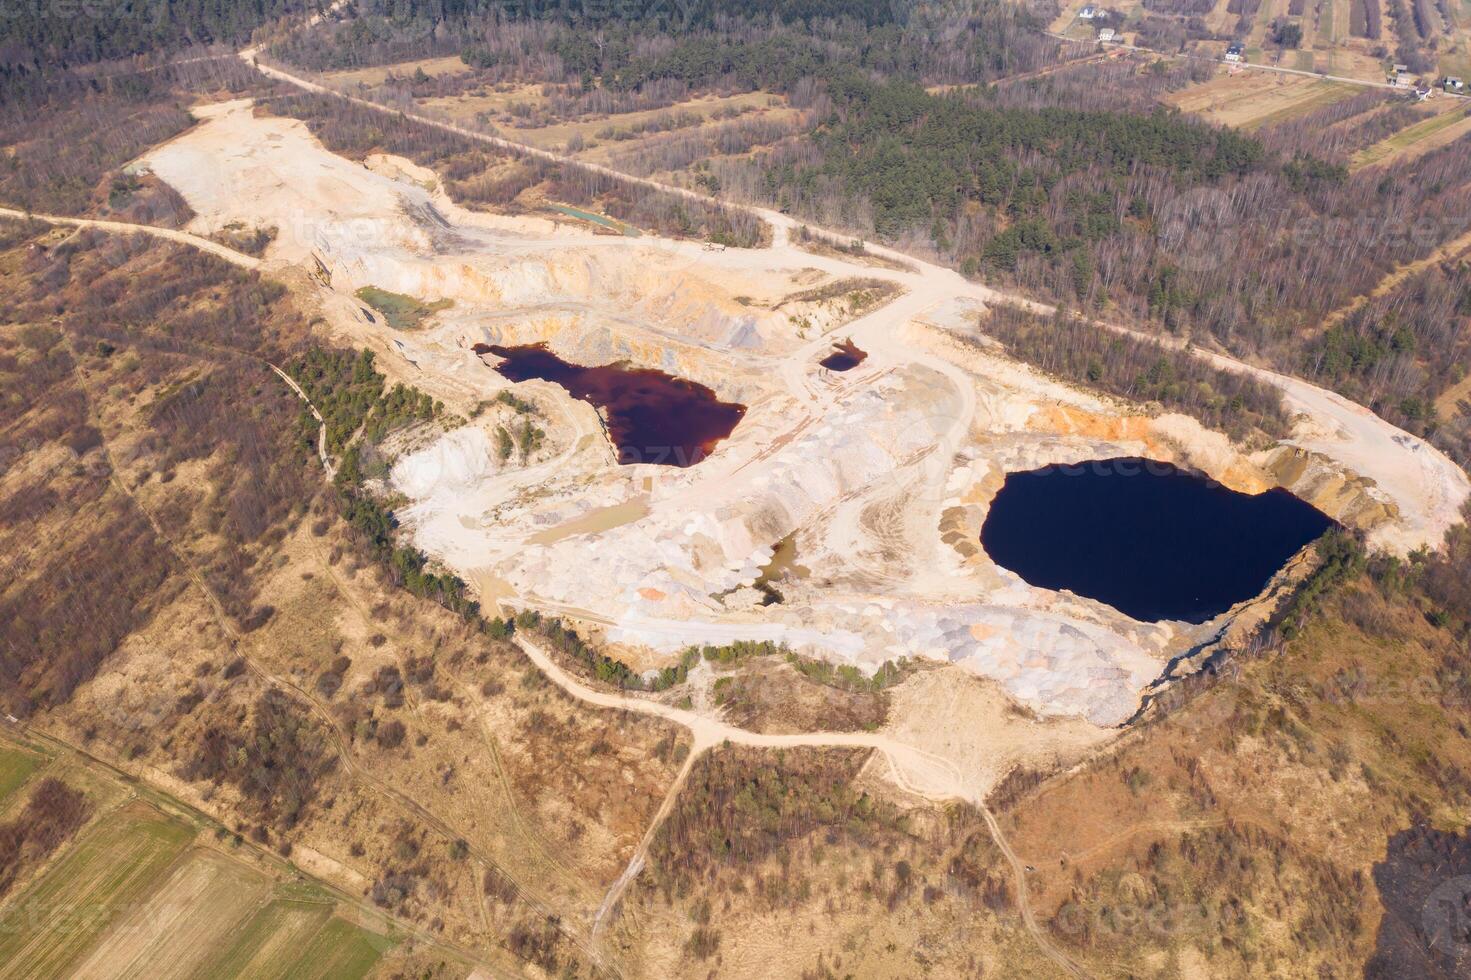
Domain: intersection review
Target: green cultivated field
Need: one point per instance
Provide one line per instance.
(176, 931)
(272, 941)
(339, 951)
(1406, 137)
(1322, 94)
(124, 900)
(142, 894)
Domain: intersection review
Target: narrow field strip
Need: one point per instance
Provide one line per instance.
(339, 951)
(172, 934)
(16, 767)
(270, 942)
(95, 883)
(1406, 138)
(1319, 95)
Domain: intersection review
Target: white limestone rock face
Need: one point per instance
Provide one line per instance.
(455, 463)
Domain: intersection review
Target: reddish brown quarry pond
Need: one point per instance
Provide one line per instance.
(652, 417)
(845, 357)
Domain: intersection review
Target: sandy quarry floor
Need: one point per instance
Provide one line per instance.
(883, 474)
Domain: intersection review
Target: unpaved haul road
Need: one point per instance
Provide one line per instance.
(1425, 485)
(913, 769)
(925, 774)
(127, 228)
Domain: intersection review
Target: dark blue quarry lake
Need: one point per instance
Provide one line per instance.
(1147, 538)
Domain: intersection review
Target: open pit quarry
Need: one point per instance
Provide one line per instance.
(874, 481)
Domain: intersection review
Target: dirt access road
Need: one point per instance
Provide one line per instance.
(1427, 488)
(1383, 449)
(916, 771)
(181, 237)
(919, 772)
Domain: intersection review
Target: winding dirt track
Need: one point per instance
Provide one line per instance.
(321, 423)
(915, 770)
(1380, 449)
(1406, 467)
(181, 237)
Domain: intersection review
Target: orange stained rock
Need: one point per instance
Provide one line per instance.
(1077, 422)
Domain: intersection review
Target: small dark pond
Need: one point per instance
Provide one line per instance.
(781, 568)
(1150, 539)
(652, 417)
(845, 357)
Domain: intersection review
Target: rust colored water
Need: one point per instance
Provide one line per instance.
(845, 357)
(652, 417)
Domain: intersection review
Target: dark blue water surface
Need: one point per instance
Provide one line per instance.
(1150, 539)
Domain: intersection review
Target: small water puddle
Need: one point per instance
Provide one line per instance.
(845, 357)
(781, 568)
(1150, 539)
(652, 417)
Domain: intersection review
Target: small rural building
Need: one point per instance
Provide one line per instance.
(1236, 52)
(1421, 94)
(1454, 84)
(1106, 34)
(1088, 13)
